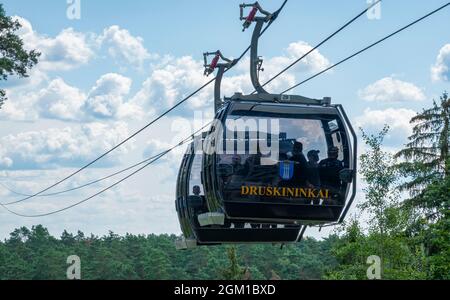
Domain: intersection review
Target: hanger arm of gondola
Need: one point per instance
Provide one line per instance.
(255, 60)
(222, 67)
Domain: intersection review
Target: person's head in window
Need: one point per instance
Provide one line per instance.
(196, 190)
(236, 160)
(298, 148)
(333, 153)
(313, 156)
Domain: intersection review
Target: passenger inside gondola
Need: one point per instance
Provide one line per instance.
(196, 190)
(330, 168)
(313, 168)
(313, 172)
(301, 165)
(196, 200)
(238, 168)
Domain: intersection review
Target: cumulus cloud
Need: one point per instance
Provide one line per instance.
(71, 49)
(392, 90)
(66, 147)
(106, 98)
(59, 101)
(314, 62)
(15, 109)
(170, 83)
(241, 82)
(124, 47)
(68, 50)
(397, 119)
(36, 78)
(441, 70)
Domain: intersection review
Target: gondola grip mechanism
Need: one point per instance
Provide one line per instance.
(248, 20)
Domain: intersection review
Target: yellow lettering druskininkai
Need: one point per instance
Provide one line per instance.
(284, 192)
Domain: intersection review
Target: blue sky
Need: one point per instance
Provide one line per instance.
(105, 75)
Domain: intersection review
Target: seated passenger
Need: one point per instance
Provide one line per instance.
(301, 166)
(238, 168)
(196, 201)
(196, 204)
(330, 168)
(196, 190)
(313, 168)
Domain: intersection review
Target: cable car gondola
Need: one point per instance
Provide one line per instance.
(234, 191)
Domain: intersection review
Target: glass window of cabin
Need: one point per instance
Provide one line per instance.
(337, 142)
(195, 180)
(243, 143)
(303, 141)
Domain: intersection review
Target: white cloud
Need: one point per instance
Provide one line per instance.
(106, 98)
(17, 110)
(57, 100)
(392, 90)
(71, 49)
(66, 147)
(35, 78)
(397, 119)
(441, 70)
(168, 84)
(314, 62)
(68, 50)
(124, 47)
(61, 101)
(272, 66)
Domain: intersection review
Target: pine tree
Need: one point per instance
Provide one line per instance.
(426, 156)
(234, 271)
(436, 235)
